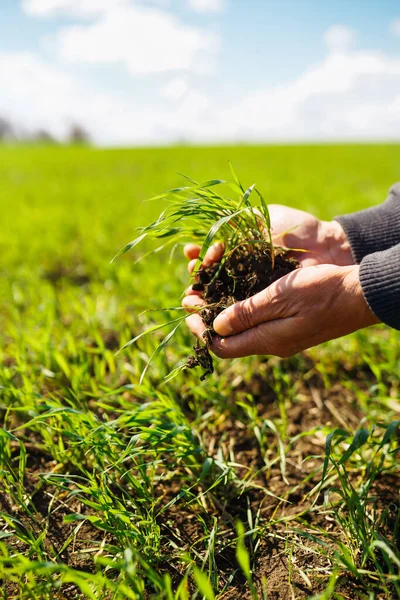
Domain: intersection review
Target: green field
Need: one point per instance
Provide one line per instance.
(233, 487)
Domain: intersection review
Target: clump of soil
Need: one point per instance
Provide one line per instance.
(247, 270)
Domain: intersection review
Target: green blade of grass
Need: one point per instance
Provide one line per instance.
(359, 440)
(128, 247)
(203, 584)
(213, 232)
(159, 348)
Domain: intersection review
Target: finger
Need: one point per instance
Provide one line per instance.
(191, 292)
(192, 303)
(191, 251)
(306, 259)
(279, 222)
(191, 265)
(274, 338)
(271, 303)
(196, 325)
(213, 255)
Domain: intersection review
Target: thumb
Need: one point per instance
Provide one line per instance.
(269, 304)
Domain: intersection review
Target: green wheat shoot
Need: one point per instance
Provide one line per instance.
(198, 213)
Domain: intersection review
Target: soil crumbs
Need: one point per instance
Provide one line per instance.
(247, 270)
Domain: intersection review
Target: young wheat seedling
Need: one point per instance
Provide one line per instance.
(197, 212)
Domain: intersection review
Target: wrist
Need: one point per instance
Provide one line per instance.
(362, 312)
(338, 243)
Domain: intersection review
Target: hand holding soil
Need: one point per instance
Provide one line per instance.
(281, 280)
(306, 307)
(325, 240)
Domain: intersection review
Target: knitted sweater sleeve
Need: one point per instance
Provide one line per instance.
(374, 236)
(374, 229)
(380, 281)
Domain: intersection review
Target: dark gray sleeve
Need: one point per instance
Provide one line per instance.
(380, 281)
(374, 229)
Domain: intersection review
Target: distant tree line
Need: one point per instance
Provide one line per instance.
(9, 132)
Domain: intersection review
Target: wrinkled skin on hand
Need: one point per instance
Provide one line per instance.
(321, 301)
(325, 241)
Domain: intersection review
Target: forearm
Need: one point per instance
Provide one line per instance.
(374, 229)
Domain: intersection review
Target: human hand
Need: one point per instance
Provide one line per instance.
(193, 300)
(304, 297)
(302, 309)
(325, 240)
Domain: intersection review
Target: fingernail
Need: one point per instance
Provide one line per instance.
(222, 325)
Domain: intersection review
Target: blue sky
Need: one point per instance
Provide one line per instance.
(160, 71)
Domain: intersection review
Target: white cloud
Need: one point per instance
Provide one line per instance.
(145, 40)
(348, 95)
(90, 8)
(77, 8)
(37, 95)
(340, 38)
(175, 89)
(32, 91)
(395, 27)
(351, 94)
(142, 36)
(208, 6)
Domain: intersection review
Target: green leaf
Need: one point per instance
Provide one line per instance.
(73, 517)
(81, 582)
(359, 440)
(346, 559)
(245, 198)
(265, 209)
(282, 454)
(171, 192)
(389, 433)
(203, 584)
(188, 178)
(213, 232)
(235, 177)
(212, 182)
(10, 436)
(328, 444)
(187, 188)
(385, 548)
(267, 217)
(150, 330)
(159, 348)
(129, 246)
(172, 231)
(243, 559)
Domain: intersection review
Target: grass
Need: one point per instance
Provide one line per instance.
(198, 212)
(272, 479)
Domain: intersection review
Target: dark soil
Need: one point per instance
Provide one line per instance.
(246, 271)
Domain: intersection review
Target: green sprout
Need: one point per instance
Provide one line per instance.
(197, 212)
